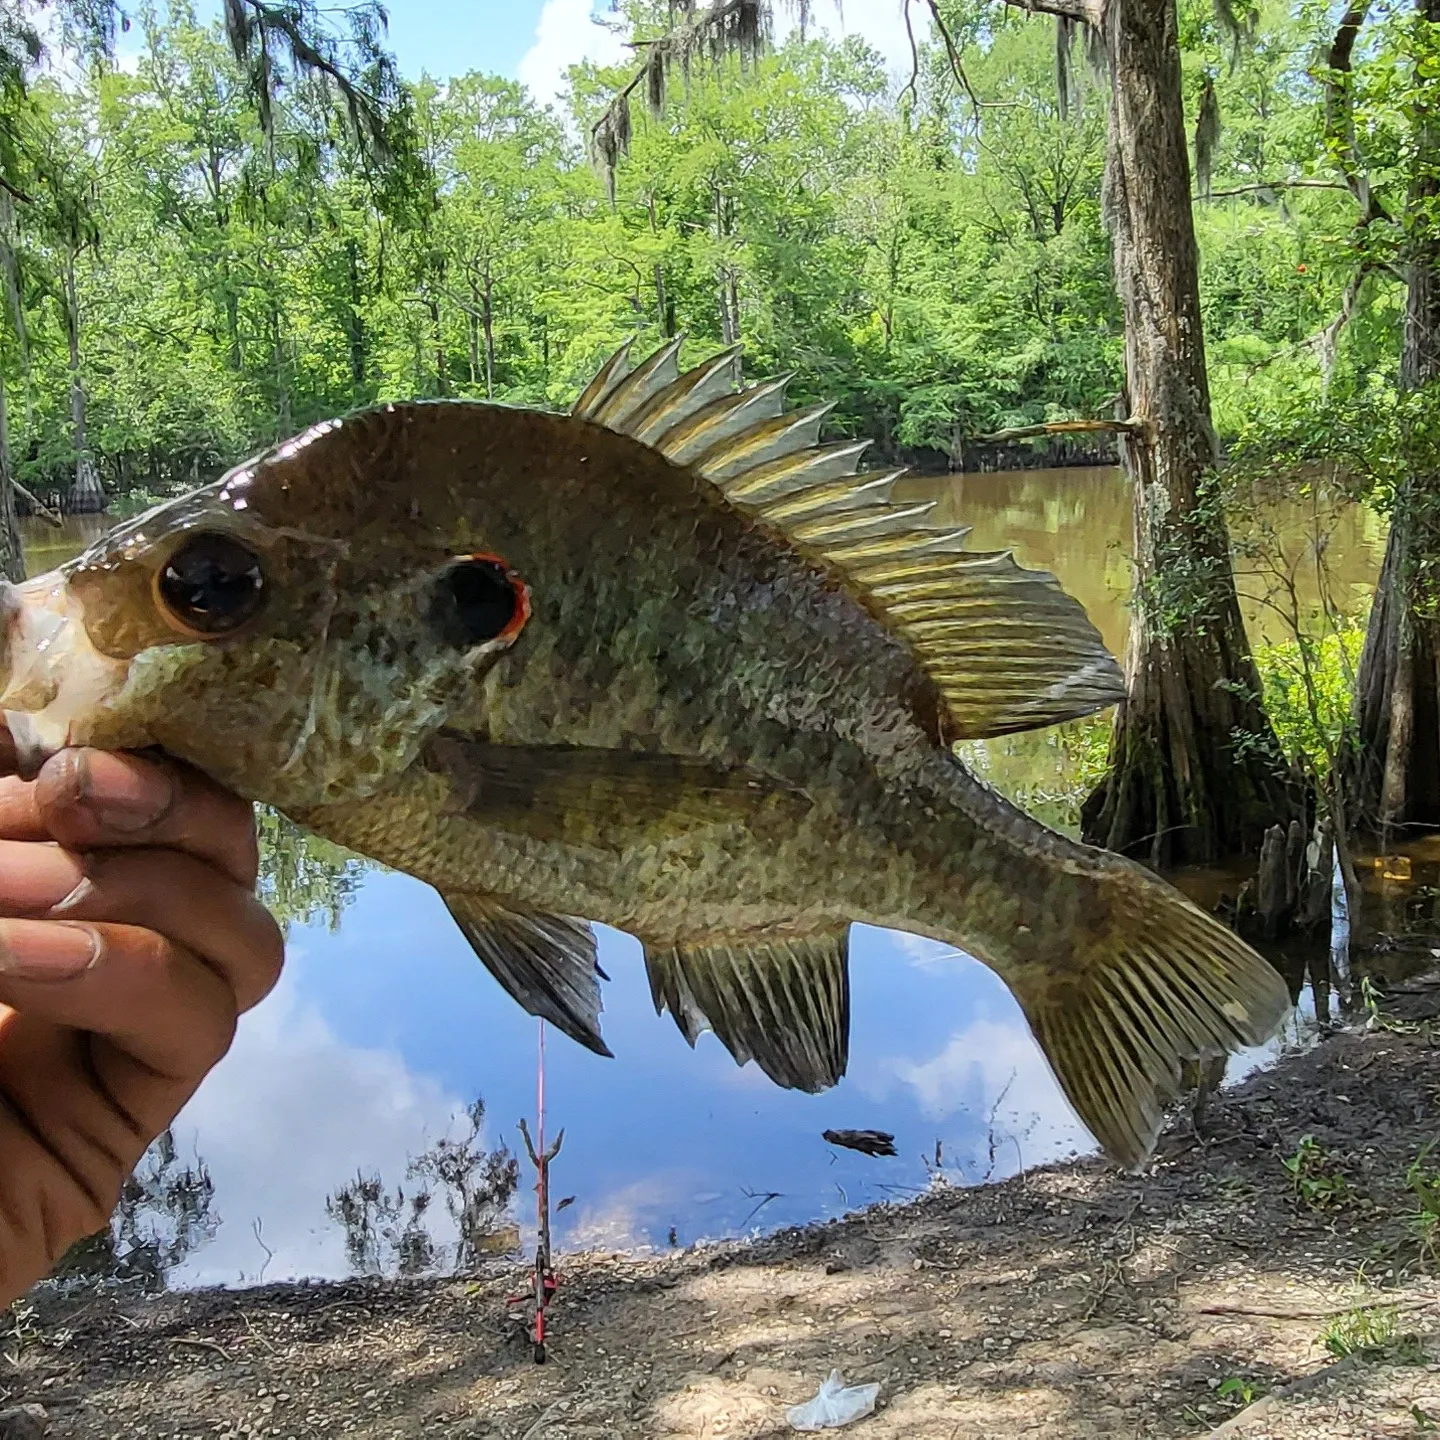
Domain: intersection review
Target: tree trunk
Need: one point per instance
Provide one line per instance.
(282, 371)
(487, 319)
(1395, 767)
(87, 496)
(12, 551)
(1179, 790)
(354, 321)
(437, 334)
(472, 327)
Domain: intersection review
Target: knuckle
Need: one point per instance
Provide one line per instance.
(214, 1038)
(61, 783)
(269, 954)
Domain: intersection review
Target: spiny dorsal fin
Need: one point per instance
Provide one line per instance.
(1007, 647)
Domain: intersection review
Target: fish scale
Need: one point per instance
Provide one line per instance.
(671, 663)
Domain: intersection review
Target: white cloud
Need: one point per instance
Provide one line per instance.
(881, 23)
(995, 1069)
(565, 35)
(286, 1118)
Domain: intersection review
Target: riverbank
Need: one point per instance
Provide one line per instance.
(1068, 1302)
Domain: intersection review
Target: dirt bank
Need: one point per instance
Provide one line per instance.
(1068, 1302)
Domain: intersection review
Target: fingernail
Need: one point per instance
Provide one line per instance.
(121, 795)
(47, 950)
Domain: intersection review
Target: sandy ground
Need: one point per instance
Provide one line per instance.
(1197, 1299)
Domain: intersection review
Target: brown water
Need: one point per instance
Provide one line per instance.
(47, 545)
(1077, 523)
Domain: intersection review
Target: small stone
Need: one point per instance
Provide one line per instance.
(24, 1422)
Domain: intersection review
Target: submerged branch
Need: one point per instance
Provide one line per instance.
(40, 508)
(1061, 427)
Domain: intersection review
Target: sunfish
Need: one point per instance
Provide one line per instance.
(666, 662)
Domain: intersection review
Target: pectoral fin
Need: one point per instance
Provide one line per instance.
(784, 1003)
(546, 962)
(580, 796)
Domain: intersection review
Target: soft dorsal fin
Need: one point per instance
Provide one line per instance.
(1007, 647)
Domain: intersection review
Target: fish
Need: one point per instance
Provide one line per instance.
(670, 662)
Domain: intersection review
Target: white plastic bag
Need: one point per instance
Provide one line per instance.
(834, 1406)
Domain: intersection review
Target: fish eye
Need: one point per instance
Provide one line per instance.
(210, 585)
(477, 599)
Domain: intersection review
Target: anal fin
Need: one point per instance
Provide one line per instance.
(545, 962)
(782, 1002)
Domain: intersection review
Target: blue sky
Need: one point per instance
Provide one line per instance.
(537, 40)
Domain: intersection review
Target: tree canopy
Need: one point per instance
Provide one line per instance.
(931, 259)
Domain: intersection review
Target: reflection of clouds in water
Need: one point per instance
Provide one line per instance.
(284, 1121)
(994, 1068)
(635, 1215)
(917, 950)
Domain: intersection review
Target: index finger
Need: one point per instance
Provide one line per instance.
(89, 799)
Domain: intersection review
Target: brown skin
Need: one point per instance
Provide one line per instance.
(130, 943)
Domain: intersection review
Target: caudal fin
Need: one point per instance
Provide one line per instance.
(1160, 984)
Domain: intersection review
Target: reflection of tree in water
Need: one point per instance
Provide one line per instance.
(166, 1212)
(388, 1232)
(304, 878)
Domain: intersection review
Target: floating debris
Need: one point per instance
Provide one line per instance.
(867, 1142)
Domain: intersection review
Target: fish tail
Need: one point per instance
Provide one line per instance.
(1150, 982)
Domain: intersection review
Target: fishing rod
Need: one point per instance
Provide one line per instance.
(545, 1279)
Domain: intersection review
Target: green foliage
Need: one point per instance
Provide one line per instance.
(1243, 1392)
(1049, 773)
(1422, 1179)
(936, 270)
(1373, 1333)
(1317, 1179)
(1308, 686)
(304, 878)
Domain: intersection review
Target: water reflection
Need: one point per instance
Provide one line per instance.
(388, 1232)
(166, 1213)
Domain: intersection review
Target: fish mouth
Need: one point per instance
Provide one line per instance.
(55, 683)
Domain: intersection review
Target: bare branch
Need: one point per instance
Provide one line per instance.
(16, 191)
(1062, 427)
(1328, 340)
(1265, 185)
(1089, 14)
(957, 68)
(727, 27)
(914, 56)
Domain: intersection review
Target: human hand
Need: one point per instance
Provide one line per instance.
(130, 942)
